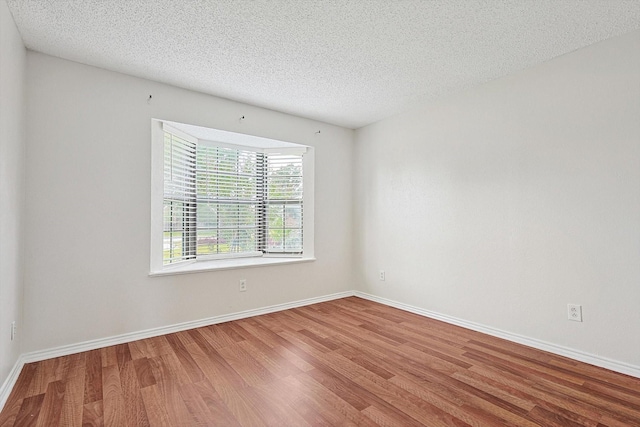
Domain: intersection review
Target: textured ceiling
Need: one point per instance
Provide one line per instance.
(349, 63)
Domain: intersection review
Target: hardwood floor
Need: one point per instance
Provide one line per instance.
(346, 362)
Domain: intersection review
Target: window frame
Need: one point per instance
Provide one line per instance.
(224, 262)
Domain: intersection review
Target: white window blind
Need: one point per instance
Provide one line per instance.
(284, 204)
(229, 189)
(222, 201)
(179, 209)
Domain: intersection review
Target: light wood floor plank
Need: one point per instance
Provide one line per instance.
(113, 397)
(135, 413)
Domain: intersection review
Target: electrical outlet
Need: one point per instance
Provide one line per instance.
(13, 330)
(574, 311)
(382, 275)
(243, 285)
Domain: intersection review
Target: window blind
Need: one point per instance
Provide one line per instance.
(179, 209)
(229, 189)
(284, 208)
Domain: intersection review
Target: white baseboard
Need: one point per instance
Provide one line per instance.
(581, 356)
(7, 386)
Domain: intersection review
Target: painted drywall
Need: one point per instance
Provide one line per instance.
(503, 204)
(88, 207)
(12, 69)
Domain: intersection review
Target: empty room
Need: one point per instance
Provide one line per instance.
(320, 213)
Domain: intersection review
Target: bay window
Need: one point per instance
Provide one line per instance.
(228, 196)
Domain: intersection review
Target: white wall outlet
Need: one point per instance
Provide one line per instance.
(382, 275)
(574, 311)
(243, 285)
(13, 330)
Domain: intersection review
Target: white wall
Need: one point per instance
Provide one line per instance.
(12, 68)
(88, 196)
(504, 203)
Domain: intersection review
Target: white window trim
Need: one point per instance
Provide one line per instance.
(157, 193)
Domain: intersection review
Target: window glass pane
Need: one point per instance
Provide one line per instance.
(293, 216)
(210, 242)
(172, 232)
(275, 216)
(226, 228)
(293, 241)
(275, 241)
(284, 177)
(284, 228)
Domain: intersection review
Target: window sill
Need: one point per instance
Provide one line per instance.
(226, 264)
